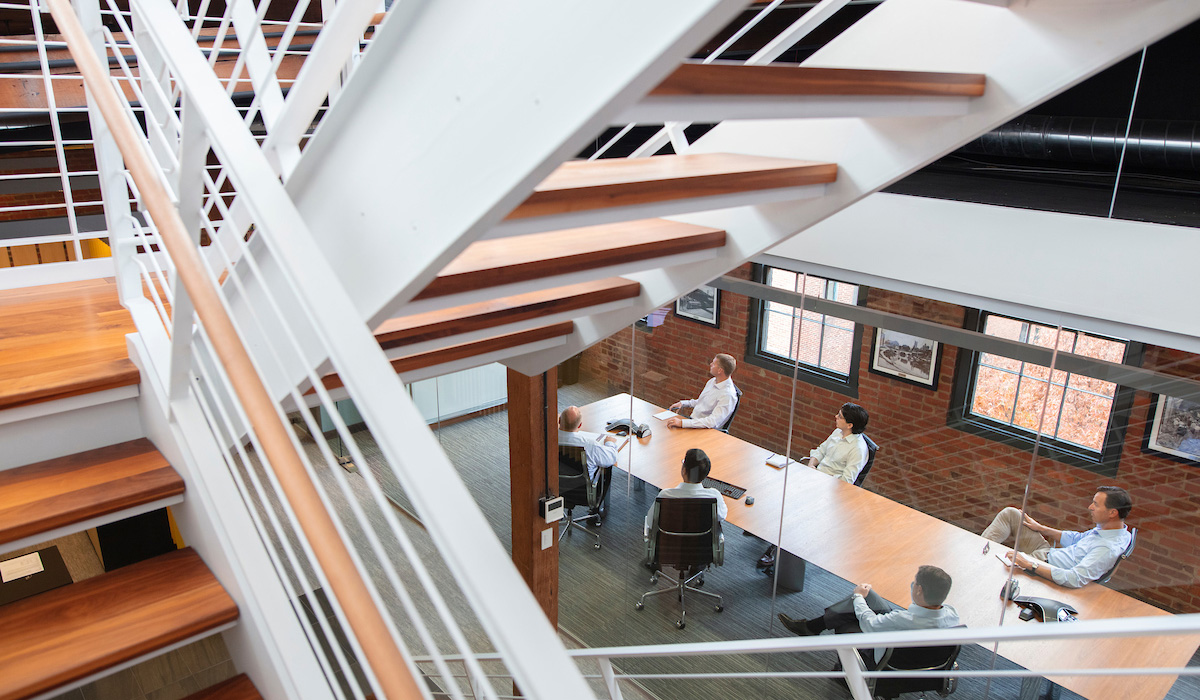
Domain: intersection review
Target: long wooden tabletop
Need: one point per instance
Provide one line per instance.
(866, 538)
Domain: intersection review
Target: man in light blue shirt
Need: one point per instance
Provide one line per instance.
(1068, 558)
(867, 611)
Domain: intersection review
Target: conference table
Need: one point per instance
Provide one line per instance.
(861, 536)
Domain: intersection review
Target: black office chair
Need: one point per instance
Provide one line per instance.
(872, 448)
(577, 489)
(685, 535)
(729, 421)
(1124, 555)
(943, 658)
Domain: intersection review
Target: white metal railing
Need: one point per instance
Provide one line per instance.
(197, 150)
(848, 646)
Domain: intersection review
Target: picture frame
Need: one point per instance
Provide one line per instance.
(701, 305)
(908, 358)
(1174, 429)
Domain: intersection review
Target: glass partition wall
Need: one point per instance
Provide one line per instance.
(998, 411)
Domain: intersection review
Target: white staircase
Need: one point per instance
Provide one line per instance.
(430, 224)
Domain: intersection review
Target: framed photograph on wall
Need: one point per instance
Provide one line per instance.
(906, 357)
(702, 306)
(1175, 429)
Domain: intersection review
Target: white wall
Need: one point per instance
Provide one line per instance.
(1122, 278)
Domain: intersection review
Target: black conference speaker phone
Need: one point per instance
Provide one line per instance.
(625, 426)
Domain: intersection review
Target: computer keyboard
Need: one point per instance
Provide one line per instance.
(734, 492)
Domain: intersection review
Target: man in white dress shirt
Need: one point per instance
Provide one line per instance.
(600, 450)
(694, 470)
(844, 452)
(716, 402)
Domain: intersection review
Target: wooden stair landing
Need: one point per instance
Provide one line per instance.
(729, 79)
(63, 340)
(237, 688)
(57, 493)
(496, 262)
(71, 633)
(617, 182)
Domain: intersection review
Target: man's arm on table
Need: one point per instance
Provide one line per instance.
(1094, 564)
(841, 463)
(716, 419)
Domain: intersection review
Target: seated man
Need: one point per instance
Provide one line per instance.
(600, 452)
(844, 452)
(695, 469)
(867, 611)
(716, 402)
(1071, 559)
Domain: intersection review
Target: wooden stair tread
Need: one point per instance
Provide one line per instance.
(72, 632)
(237, 688)
(73, 489)
(500, 261)
(415, 328)
(615, 182)
(739, 79)
(63, 340)
(441, 356)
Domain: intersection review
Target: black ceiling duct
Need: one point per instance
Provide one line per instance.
(1153, 143)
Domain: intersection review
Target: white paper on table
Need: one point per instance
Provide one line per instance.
(21, 567)
(779, 461)
(664, 415)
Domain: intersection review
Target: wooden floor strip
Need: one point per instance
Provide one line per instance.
(496, 262)
(74, 489)
(749, 81)
(63, 340)
(237, 688)
(76, 631)
(616, 182)
(443, 323)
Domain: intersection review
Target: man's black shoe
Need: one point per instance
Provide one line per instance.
(799, 627)
(767, 559)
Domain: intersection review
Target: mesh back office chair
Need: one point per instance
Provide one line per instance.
(729, 421)
(685, 535)
(1124, 555)
(872, 448)
(577, 489)
(915, 659)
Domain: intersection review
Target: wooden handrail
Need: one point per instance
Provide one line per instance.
(387, 663)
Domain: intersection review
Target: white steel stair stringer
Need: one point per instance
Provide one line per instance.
(458, 110)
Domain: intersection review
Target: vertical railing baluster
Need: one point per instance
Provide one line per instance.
(610, 678)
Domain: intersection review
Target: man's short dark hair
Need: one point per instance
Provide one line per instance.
(696, 466)
(934, 583)
(727, 363)
(1118, 498)
(856, 416)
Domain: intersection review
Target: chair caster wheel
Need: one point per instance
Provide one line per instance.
(639, 606)
(654, 578)
(597, 545)
(700, 582)
(718, 608)
(680, 624)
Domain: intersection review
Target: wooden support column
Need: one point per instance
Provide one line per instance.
(533, 472)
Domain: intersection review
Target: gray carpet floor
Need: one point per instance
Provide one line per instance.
(598, 588)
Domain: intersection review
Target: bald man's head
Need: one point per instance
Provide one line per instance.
(570, 419)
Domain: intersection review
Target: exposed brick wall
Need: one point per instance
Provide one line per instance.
(960, 478)
(78, 160)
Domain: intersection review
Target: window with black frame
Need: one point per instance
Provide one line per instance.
(1003, 398)
(826, 346)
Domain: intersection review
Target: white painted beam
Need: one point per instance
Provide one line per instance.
(458, 110)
